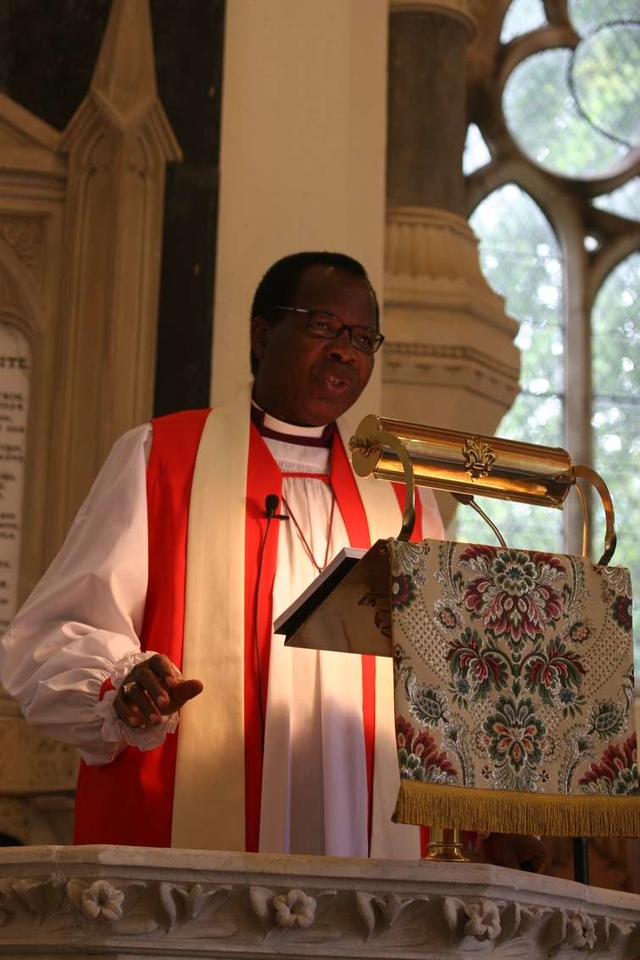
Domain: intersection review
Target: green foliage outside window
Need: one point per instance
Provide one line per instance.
(575, 112)
(520, 257)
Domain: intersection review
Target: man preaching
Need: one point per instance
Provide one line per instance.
(161, 603)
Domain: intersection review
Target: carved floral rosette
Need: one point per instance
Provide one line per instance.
(513, 690)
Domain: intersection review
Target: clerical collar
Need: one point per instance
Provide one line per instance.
(274, 429)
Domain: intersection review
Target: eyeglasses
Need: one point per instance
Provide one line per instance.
(328, 327)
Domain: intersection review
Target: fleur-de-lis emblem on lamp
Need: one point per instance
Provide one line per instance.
(479, 457)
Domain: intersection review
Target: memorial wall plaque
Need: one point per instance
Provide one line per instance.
(14, 397)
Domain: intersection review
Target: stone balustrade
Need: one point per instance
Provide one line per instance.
(122, 902)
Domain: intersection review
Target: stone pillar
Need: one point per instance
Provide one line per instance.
(426, 109)
(449, 359)
(302, 154)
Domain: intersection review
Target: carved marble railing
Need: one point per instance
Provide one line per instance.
(121, 902)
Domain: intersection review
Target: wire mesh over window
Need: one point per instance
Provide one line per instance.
(569, 123)
(587, 16)
(615, 352)
(624, 201)
(522, 16)
(521, 259)
(476, 153)
(544, 118)
(605, 79)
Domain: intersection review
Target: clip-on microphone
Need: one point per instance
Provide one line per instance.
(271, 504)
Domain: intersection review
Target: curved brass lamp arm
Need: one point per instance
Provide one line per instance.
(371, 446)
(585, 519)
(469, 501)
(409, 512)
(610, 538)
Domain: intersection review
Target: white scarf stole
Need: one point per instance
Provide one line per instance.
(209, 807)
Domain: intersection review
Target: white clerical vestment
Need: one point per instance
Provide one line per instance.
(80, 628)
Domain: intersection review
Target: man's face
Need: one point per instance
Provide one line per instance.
(304, 379)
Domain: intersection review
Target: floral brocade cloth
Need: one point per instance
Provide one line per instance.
(514, 690)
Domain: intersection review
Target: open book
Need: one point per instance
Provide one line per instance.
(346, 608)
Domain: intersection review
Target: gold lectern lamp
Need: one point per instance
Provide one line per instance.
(465, 465)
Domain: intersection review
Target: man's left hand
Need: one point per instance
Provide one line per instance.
(151, 690)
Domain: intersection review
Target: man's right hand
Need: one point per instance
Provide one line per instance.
(152, 690)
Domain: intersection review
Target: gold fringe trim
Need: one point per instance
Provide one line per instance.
(507, 811)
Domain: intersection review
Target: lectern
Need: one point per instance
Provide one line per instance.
(513, 668)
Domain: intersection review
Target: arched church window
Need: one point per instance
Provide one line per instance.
(552, 161)
(615, 415)
(521, 258)
(624, 201)
(521, 17)
(476, 152)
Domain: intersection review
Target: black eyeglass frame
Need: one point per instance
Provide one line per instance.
(377, 336)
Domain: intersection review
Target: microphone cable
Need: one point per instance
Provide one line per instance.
(271, 504)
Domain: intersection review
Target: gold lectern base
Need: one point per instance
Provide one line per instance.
(446, 845)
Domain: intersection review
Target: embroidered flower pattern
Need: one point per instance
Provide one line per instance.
(616, 773)
(403, 591)
(514, 594)
(461, 689)
(607, 718)
(419, 758)
(580, 632)
(621, 610)
(446, 615)
(515, 738)
(554, 671)
(471, 663)
(428, 705)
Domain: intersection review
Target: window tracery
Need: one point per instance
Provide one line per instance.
(552, 162)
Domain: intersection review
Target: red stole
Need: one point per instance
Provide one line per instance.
(130, 800)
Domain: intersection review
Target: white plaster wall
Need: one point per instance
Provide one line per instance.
(302, 153)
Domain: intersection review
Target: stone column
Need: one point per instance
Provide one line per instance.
(302, 153)
(426, 104)
(449, 359)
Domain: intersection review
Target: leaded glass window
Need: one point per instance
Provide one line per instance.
(557, 219)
